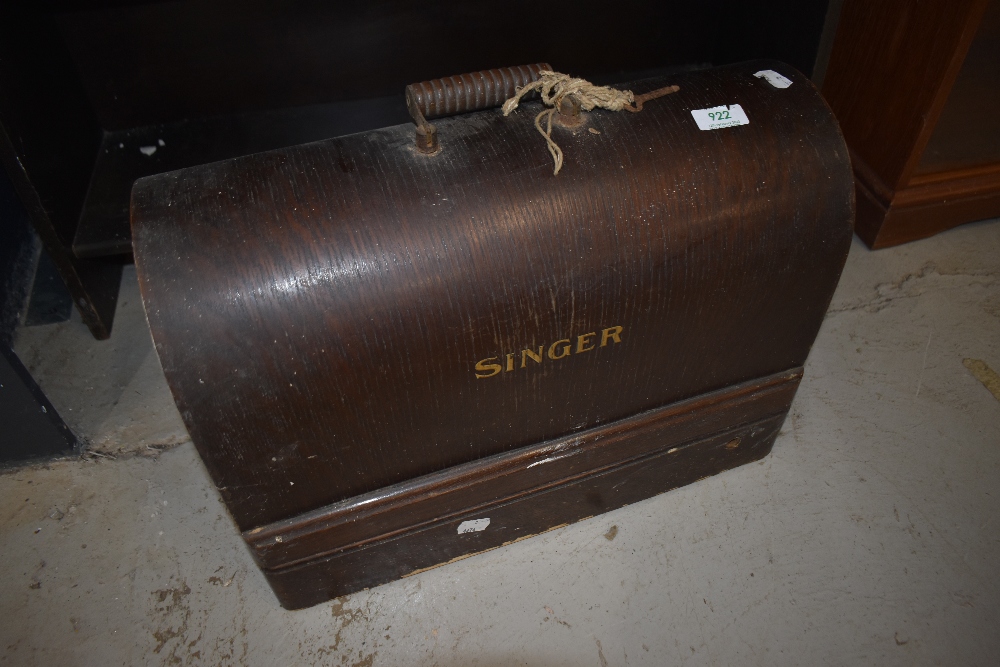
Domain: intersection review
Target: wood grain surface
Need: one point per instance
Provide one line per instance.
(332, 573)
(892, 69)
(341, 317)
(477, 485)
(319, 310)
(418, 524)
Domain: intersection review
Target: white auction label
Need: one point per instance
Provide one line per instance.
(773, 78)
(717, 118)
(473, 526)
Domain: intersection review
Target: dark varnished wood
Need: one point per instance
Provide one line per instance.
(524, 517)
(500, 478)
(319, 310)
(957, 143)
(85, 85)
(104, 227)
(892, 72)
(575, 497)
(930, 204)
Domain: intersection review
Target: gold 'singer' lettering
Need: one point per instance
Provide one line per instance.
(562, 348)
(555, 352)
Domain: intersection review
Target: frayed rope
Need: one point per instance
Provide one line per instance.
(554, 87)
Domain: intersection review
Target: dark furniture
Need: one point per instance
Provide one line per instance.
(916, 88)
(30, 427)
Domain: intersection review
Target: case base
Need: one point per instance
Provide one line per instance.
(433, 520)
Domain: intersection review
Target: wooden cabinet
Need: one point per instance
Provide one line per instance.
(916, 88)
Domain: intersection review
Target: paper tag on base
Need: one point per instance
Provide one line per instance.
(773, 78)
(717, 118)
(473, 526)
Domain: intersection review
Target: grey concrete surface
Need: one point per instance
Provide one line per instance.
(111, 393)
(868, 537)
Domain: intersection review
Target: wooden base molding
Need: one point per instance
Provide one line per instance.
(439, 518)
(928, 205)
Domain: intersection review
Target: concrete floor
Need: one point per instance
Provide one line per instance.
(868, 537)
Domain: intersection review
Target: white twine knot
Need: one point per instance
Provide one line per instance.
(554, 87)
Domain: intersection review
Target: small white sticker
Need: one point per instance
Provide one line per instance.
(717, 118)
(773, 78)
(473, 526)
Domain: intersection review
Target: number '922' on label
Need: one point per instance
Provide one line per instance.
(717, 118)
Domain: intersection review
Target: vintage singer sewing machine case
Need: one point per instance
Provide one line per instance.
(389, 360)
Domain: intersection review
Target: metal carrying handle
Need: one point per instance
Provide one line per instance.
(461, 94)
